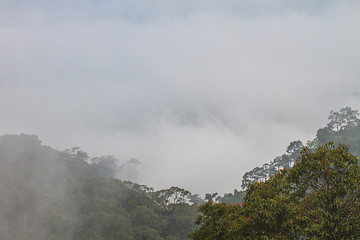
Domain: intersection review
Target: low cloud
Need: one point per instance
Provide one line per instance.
(199, 92)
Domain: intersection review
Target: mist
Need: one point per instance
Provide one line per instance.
(198, 91)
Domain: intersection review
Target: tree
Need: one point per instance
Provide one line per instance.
(294, 148)
(324, 187)
(168, 198)
(104, 166)
(232, 198)
(267, 170)
(349, 116)
(209, 197)
(76, 152)
(336, 121)
(196, 199)
(144, 216)
(345, 117)
(318, 198)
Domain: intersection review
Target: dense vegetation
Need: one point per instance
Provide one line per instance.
(343, 127)
(317, 198)
(52, 195)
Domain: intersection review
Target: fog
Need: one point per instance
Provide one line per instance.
(198, 91)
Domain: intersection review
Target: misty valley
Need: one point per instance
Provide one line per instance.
(179, 119)
(65, 195)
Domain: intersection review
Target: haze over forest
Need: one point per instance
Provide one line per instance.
(199, 92)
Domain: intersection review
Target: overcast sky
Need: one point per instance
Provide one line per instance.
(199, 91)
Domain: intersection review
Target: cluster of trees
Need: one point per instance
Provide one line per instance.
(316, 197)
(343, 127)
(112, 209)
(284, 161)
(319, 198)
(258, 174)
(53, 195)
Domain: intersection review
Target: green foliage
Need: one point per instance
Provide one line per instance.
(326, 183)
(232, 198)
(284, 161)
(47, 194)
(344, 127)
(52, 195)
(344, 118)
(317, 199)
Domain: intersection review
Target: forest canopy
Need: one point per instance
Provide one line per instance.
(311, 191)
(318, 198)
(51, 195)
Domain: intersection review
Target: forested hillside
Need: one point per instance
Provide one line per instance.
(343, 127)
(313, 196)
(52, 195)
(318, 198)
(65, 195)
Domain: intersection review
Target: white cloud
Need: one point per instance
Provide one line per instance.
(199, 93)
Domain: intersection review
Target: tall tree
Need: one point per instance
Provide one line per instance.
(345, 117)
